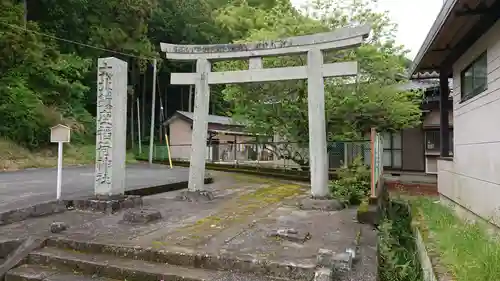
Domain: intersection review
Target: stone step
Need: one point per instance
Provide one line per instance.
(187, 258)
(109, 266)
(29, 272)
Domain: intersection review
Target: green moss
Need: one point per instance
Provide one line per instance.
(364, 206)
(240, 209)
(158, 244)
(251, 179)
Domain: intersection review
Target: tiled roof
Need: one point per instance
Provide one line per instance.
(425, 75)
(418, 85)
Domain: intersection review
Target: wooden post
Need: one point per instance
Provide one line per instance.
(168, 151)
(373, 135)
(139, 127)
(444, 126)
(235, 151)
(152, 128)
(132, 134)
(190, 98)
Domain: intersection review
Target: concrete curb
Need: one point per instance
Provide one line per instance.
(425, 261)
(431, 269)
(54, 207)
(38, 210)
(151, 190)
(423, 257)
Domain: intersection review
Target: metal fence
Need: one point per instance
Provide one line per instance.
(160, 152)
(279, 155)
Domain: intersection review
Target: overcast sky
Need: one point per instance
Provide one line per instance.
(414, 18)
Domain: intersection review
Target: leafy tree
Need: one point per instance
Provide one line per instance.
(39, 86)
(119, 25)
(264, 4)
(352, 107)
(44, 79)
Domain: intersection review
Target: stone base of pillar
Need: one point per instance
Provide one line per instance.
(195, 196)
(321, 204)
(108, 204)
(141, 216)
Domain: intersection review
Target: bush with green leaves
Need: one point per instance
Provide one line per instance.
(398, 258)
(353, 183)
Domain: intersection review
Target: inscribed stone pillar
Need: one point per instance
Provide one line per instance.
(200, 126)
(317, 126)
(111, 127)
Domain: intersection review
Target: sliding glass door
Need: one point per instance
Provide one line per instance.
(392, 157)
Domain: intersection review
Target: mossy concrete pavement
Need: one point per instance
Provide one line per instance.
(236, 223)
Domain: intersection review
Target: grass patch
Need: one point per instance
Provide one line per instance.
(15, 157)
(465, 248)
(252, 179)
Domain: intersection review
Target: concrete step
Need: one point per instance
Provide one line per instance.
(28, 272)
(109, 266)
(190, 259)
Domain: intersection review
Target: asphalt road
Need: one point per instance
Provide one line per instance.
(27, 187)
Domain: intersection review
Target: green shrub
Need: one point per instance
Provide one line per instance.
(353, 183)
(398, 259)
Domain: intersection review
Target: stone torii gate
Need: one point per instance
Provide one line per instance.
(314, 72)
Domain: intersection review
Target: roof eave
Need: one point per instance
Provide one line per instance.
(443, 15)
(180, 115)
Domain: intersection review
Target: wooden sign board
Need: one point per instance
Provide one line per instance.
(60, 133)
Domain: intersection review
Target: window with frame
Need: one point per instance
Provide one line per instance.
(474, 78)
(433, 141)
(392, 156)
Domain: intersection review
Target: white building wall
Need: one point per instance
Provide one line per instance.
(180, 139)
(433, 118)
(473, 178)
(180, 142)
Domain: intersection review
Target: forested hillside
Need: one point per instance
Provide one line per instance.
(49, 50)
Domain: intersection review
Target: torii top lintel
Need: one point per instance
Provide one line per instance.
(338, 39)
